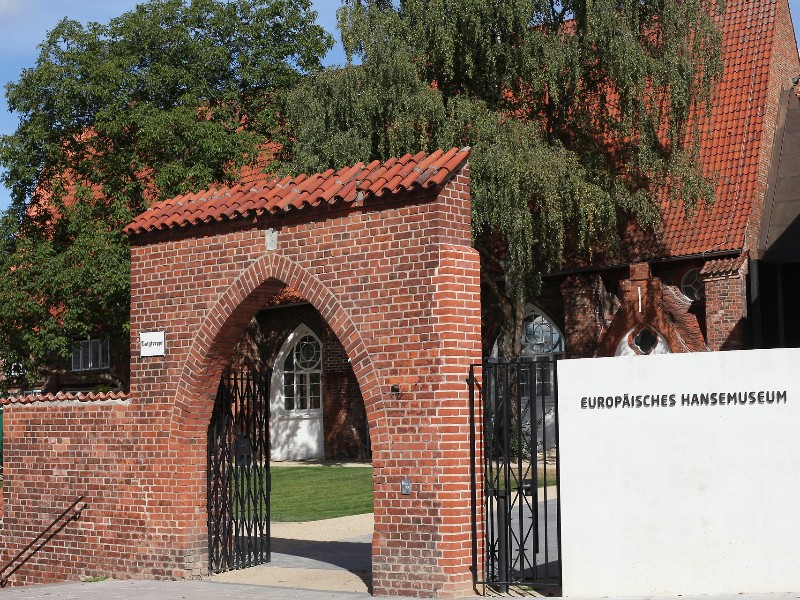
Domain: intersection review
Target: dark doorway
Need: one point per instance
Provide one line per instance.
(776, 309)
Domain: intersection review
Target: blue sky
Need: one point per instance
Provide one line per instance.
(23, 24)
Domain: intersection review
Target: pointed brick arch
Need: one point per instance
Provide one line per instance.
(226, 320)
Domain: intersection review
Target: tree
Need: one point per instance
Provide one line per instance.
(164, 99)
(580, 114)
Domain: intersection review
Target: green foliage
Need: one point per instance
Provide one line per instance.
(579, 114)
(161, 100)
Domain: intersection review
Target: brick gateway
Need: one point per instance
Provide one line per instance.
(383, 253)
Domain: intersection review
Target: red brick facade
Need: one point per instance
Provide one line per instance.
(736, 150)
(397, 283)
(727, 307)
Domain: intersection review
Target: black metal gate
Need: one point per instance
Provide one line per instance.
(516, 523)
(238, 474)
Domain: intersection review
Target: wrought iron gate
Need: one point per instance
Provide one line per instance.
(516, 523)
(238, 474)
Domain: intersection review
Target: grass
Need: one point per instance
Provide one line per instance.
(324, 492)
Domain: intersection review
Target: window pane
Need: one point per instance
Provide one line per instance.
(86, 355)
(307, 353)
(302, 392)
(315, 401)
(95, 349)
(288, 391)
(76, 358)
(105, 361)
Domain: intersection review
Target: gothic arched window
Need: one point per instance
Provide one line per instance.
(302, 373)
(540, 335)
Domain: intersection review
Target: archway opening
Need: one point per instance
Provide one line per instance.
(321, 498)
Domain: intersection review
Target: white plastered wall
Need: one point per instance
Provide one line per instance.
(682, 498)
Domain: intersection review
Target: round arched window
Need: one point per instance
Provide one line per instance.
(692, 285)
(540, 335)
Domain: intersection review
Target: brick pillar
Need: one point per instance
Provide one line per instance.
(726, 304)
(582, 330)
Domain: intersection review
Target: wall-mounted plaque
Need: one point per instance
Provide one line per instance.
(152, 343)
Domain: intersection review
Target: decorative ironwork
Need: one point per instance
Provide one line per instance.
(515, 454)
(238, 474)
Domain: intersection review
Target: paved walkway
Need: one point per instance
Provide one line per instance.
(334, 554)
(214, 590)
(329, 560)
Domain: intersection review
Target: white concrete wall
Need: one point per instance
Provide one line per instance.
(680, 499)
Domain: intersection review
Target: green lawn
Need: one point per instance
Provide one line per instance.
(324, 492)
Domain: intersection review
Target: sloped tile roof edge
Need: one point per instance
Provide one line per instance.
(349, 185)
(723, 267)
(65, 397)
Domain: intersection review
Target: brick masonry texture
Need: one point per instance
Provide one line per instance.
(398, 284)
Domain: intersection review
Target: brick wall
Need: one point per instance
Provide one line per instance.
(397, 283)
(58, 450)
(582, 329)
(726, 310)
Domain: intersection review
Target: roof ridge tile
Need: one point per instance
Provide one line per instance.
(350, 185)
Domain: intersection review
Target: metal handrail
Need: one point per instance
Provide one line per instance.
(71, 513)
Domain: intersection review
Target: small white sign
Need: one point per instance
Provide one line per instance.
(152, 343)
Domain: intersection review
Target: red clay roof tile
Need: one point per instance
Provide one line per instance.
(348, 185)
(729, 150)
(64, 397)
(723, 267)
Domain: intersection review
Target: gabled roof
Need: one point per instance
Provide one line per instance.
(760, 57)
(347, 186)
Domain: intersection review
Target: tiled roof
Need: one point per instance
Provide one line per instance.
(723, 266)
(64, 397)
(349, 185)
(730, 150)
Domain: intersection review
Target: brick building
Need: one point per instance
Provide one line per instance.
(726, 277)
(365, 276)
(356, 294)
